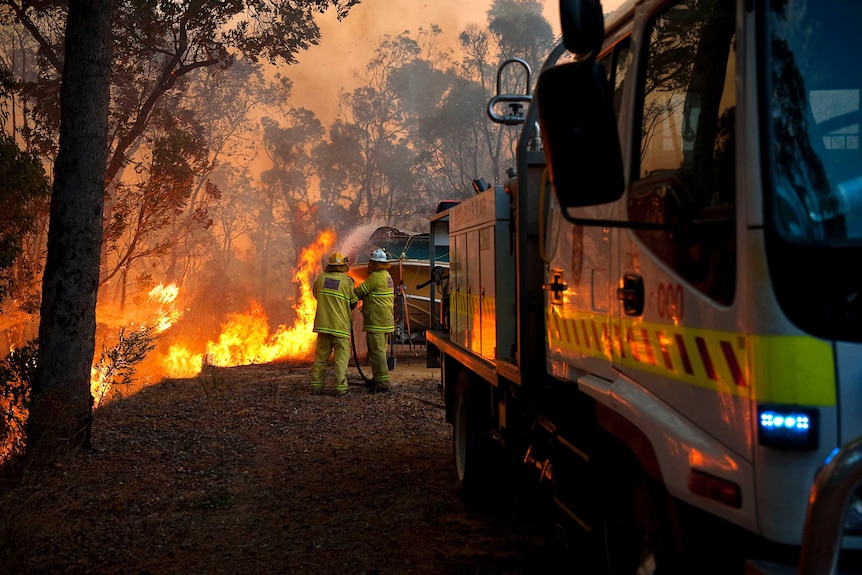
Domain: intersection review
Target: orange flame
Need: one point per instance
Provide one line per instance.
(245, 337)
(165, 295)
(160, 317)
(180, 362)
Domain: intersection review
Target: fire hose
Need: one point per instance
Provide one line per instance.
(390, 360)
(356, 356)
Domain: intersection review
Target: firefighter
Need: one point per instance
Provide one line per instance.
(335, 296)
(377, 293)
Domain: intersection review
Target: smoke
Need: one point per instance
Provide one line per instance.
(331, 68)
(356, 239)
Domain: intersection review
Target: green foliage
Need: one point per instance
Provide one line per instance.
(117, 364)
(24, 191)
(17, 370)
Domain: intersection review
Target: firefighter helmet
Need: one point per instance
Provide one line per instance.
(336, 259)
(378, 255)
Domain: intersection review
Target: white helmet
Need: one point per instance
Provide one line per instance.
(378, 255)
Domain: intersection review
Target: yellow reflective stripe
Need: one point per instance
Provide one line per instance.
(378, 328)
(335, 294)
(335, 332)
(463, 304)
(768, 368)
(710, 359)
(580, 333)
(793, 370)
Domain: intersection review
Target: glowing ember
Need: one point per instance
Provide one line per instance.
(245, 338)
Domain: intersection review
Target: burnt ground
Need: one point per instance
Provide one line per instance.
(242, 471)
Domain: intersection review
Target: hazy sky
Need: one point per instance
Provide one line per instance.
(345, 47)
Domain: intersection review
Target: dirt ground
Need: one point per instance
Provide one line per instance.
(243, 471)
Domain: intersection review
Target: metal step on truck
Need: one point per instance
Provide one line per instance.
(659, 314)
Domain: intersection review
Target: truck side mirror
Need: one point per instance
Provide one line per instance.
(583, 25)
(579, 134)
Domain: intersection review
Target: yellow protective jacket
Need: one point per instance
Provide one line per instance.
(335, 296)
(378, 301)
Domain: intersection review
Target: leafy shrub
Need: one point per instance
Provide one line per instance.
(117, 364)
(17, 370)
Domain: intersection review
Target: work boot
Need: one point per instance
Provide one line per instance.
(340, 390)
(316, 389)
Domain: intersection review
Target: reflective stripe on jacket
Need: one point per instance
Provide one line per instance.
(378, 300)
(334, 293)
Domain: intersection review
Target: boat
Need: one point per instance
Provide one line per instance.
(412, 271)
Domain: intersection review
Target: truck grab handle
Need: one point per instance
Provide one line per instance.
(830, 494)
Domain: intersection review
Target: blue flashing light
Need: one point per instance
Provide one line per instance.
(787, 427)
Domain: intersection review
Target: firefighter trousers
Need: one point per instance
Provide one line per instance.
(377, 355)
(339, 347)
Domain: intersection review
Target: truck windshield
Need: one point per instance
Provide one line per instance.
(814, 99)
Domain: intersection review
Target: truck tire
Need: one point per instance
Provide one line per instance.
(471, 467)
(640, 535)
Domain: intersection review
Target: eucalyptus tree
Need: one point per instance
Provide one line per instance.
(374, 167)
(226, 104)
(340, 166)
(143, 214)
(521, 31)
(146, 50)
(24, 190)
(61, 404)
(460, 141)
(381, 122)
(158, 47)
(285, 221)
(515, 29)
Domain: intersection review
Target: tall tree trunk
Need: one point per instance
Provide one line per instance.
(61, 409)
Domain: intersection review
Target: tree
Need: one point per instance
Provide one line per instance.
(226, 104)
(157, 44)
(373, 167)
(23, 189)
(516, 29)
(61, 402)
(461, 144)
(521, 30)
(142, 223)
(158, 47)
(284, 222)
(24, 197)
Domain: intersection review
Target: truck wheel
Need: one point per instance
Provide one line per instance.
(466, 438)
(640, 540)
(653, 515)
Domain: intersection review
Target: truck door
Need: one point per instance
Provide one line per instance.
(581, 300)
(676, 329)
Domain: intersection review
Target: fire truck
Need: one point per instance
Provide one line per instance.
(659, 315)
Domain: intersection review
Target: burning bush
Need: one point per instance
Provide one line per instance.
(117, 364)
